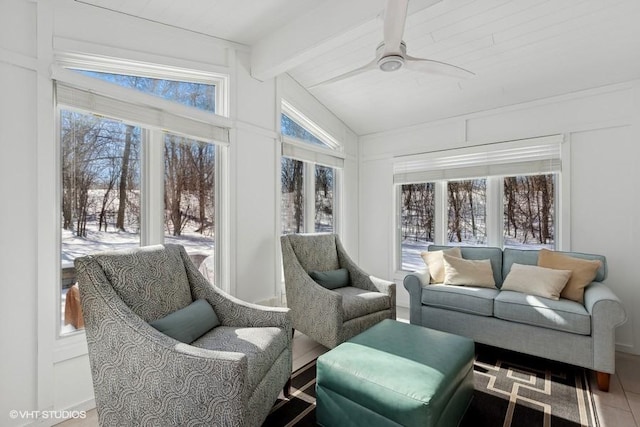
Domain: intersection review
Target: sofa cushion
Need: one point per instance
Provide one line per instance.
(582, 272)
(262, 346)
(534, 280)
(467, 299)
(435, 262)
(358, 302)
(563, 315)
(466, 272)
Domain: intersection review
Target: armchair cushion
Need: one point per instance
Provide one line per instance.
(189, 323)
(358, 302)
(331, 279)
(261, 346)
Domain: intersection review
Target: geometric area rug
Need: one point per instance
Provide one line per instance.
(511, 390)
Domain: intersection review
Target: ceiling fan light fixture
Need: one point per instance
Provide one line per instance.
(391, 63)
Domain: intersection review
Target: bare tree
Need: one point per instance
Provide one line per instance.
(124, 173)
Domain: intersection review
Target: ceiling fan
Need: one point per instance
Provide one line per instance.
(391, 54)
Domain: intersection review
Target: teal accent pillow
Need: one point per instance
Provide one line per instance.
(331, 279)
(189, 323)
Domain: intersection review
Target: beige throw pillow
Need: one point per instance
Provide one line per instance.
(459, 271)
(434, 262)
(582, 272)
(534, 280)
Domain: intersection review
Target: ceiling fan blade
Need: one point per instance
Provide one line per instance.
(370, 66)
(395, 16)
(430, 66)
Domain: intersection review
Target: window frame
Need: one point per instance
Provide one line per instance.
(152, 151)
(311, 155)
(494, 202)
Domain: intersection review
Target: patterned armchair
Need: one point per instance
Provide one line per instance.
(230, 376)
(331, 316)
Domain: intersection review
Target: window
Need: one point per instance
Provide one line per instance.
(529, 211)
(292, 203)
(189, 195)
(135, 171)
(472, 197)
(198, 95)
(310, 164)
(324, 198)
(417, 219)
(466, 207)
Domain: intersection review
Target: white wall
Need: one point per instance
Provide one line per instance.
(603, 126)
(18, 133)
(38, 370)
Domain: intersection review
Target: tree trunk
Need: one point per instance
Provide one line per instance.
(124, 173)
(298, 195)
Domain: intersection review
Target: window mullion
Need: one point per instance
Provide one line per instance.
(152, 188)
(441, 213)
(309, 197)
(495, 211)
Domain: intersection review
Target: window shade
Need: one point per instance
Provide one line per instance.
(310, 153)
(521, 157)
(143, 110)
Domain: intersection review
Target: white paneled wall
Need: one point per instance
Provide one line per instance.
(603, 126)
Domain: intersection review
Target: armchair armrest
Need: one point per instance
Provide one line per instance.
(360, 278)
(230, 310)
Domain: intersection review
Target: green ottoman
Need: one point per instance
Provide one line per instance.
(395, 374)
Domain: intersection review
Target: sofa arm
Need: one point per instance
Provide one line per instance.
(607, 313)
(413, 284)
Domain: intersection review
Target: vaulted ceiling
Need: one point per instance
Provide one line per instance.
(520, 50)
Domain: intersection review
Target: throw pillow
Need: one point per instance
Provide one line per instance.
(534, 280)
(331, 279)
(190, 323)
(434, 262)
(467, 272)
(582, 272)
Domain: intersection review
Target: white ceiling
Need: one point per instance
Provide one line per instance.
(520, 50)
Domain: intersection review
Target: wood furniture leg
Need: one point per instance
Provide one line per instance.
(603, 379)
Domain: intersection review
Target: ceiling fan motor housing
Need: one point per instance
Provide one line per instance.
(391, 61)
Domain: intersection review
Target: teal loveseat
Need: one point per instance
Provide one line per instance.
(562, 330)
